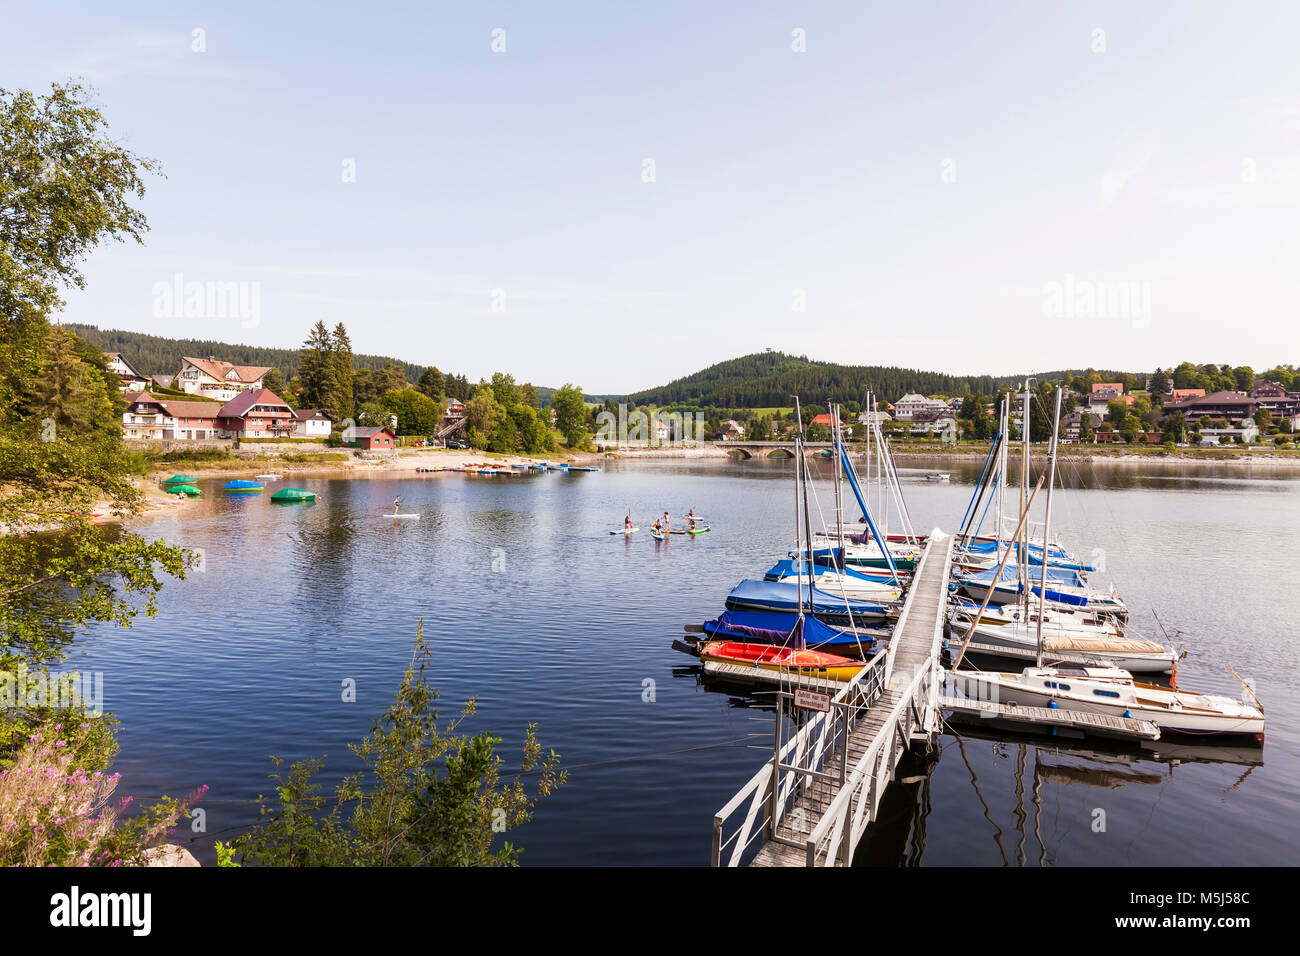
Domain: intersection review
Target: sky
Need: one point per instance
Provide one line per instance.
(617, 195)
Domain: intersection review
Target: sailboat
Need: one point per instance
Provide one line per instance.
(754, 628)
(1107, 690)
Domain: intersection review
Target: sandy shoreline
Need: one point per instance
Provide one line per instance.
(408, 462)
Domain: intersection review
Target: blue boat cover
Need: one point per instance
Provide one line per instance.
(784, 596)
(240, 483)
(763, 627)
(788, 569)
(1058, 575)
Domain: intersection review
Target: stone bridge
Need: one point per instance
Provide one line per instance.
(773, 449)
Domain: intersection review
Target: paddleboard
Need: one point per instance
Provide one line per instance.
(699, 531)
(626, 531)
(658, 537)
(402, 515)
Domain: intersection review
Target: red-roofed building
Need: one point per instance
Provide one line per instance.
(148, 417)
(1182, 394)
(1116, 387)
(222, 381)
(256, 414)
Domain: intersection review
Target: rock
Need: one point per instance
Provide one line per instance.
(169, 854)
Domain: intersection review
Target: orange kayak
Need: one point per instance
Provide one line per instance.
(809, 663)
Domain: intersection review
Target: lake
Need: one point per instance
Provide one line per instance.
(535, 610)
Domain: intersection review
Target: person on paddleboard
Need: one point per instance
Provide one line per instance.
(627, 523)
(691, 514)
(691, 525)
(396, 501)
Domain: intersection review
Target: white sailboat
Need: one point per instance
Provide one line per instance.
(1107, 690)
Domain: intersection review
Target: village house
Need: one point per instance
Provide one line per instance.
(370, 438)
(829, 421)
(1279, 402)
(1181, 394)
(131, 380)
(866, 418)
(1230, 406)
(311, 423)
(219, 380)
(163, 419)
(731, 430)
(933, 422)
(1072, 425)
(910, 406)
(256, 414)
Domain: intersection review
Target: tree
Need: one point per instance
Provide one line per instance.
(570, 414)
(65, 188)
(427, 795)
(417, 414)
(484, 414)
(274, 380)
(431, 384)
(317, 384)
(341, 359)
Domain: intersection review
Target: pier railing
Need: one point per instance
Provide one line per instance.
(759, 808)
(836, 836)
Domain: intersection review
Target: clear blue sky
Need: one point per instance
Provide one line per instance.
(922, 177)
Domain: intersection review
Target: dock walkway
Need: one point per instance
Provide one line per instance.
(812, 804)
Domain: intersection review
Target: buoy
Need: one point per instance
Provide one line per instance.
(1051, 705)
(1128, 715)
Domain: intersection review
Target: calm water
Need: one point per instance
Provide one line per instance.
(532, 607)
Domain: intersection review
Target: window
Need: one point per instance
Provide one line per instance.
(1106, 693)
(1053, 684)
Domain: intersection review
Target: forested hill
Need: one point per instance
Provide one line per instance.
(768, 379)
(158, 355)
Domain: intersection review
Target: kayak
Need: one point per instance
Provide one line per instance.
(772, 657)
(626, 531)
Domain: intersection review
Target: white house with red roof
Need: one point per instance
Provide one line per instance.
(149, 417)
(131, 379)
(256, 413)
(219, 380)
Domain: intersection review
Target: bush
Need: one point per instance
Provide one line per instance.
(56, 812)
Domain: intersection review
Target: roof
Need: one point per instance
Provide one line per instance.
(1214, 398)
(241, 403)
(369, 431)
(303, 414)
(1117, 387)
(189, 409)
(822, 419)
(118, 356)
(245, 374)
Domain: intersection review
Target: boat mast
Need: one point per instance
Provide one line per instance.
(1022, 546)
(1047, 521)
(798, 543)
(839, 475)
(1001, 472)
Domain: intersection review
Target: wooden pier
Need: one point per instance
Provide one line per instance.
(1055, 721)
(813, 801)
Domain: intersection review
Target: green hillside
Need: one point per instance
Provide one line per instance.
(159, 355)
(769, 379)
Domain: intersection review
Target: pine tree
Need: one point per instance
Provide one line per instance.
(341, 359)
